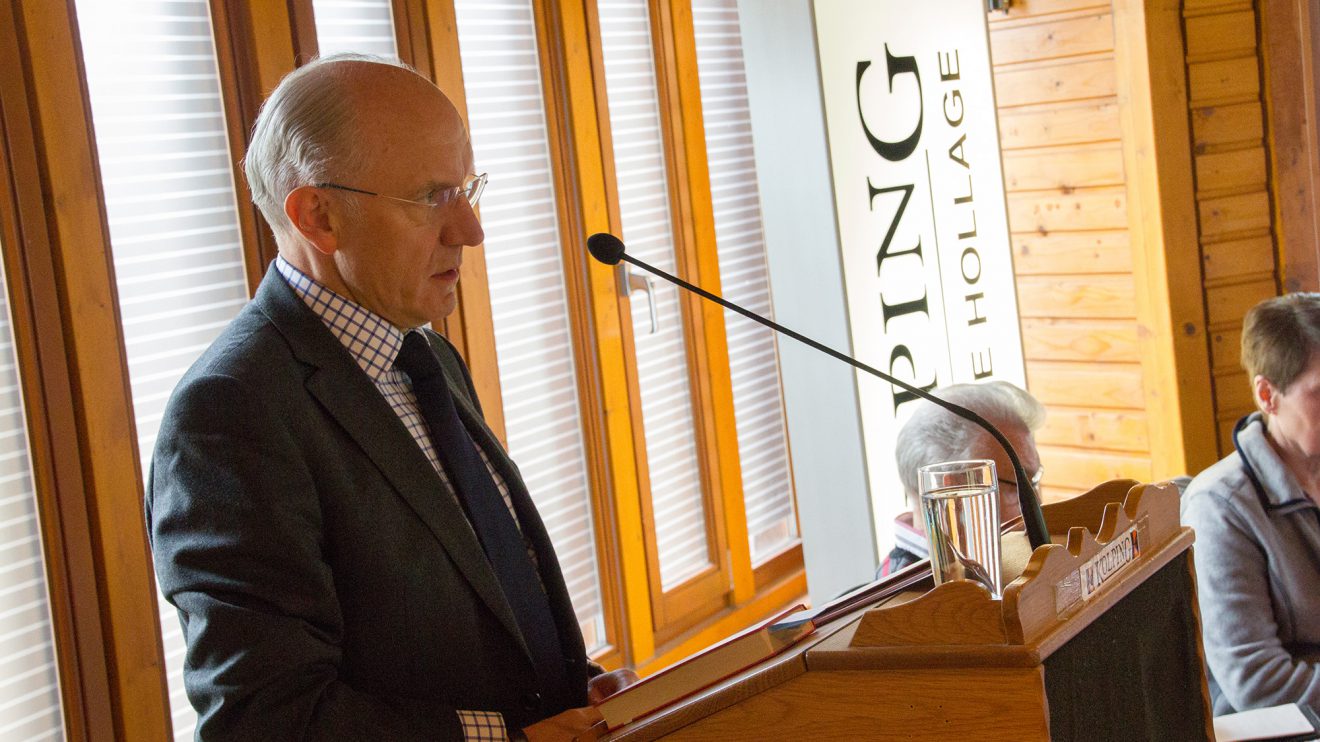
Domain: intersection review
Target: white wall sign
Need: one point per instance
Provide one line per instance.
(919, 197)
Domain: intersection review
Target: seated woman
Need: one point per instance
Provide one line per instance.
(1257, 522)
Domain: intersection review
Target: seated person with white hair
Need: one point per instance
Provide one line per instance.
(933, 435)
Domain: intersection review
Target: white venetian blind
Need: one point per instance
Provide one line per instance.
(29, 680)
(361, 26)
(767, 476)
(538, 381)
(662, 370)
(169, 191)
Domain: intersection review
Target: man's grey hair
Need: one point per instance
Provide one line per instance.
(304, 133)
(933, 434)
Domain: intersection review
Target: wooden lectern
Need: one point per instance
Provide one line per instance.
(1097, 639)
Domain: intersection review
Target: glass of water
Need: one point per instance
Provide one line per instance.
(960, 507)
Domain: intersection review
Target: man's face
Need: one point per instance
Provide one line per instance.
(1024, 444)
(401, 260)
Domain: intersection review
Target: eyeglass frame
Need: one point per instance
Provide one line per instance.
(1035, 480)
(474, 188)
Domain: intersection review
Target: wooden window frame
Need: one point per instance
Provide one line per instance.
(644, 630)
(102, 588)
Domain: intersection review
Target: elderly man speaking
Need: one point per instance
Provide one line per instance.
(352, 554)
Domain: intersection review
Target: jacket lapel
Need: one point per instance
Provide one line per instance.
(349, 396)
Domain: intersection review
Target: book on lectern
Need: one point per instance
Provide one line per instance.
(708, 667)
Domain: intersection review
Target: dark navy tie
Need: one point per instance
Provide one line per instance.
(486, 510)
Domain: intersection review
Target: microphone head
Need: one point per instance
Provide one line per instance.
(605, 247)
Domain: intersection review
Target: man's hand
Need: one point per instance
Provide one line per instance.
(584, 724)
(607, 684)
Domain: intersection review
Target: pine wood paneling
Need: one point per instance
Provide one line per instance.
(1290, 45)
(1061, 129)
(1232, 182)
(1057, 124)
(1088, 296)
(1076, 467)
(1075, 80)
(1234, 169)
(1110, 386)
(1099, 429)
(1214, 125)
(1234, 392)
(1064, 169)
(1071, 252)
(1222, 261)
(1226, 348)
(1227, 305)
(1035, 8)
(1100, 341)
(1221, 34)
(1066, 37)
(1230, 214)
(1033, 211)
(1226, 79)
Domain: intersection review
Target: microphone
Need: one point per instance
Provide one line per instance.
(609, 250)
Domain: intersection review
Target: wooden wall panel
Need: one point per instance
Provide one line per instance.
(1220, 124)
(1064, 339)
(1067, 208)
(1067, 123)
(1104, 429)
(1235, 208)
(1067, 37)
(1224, 260)
(1064, 167)
(1053, 83)
(1061, 132)
(1102, 251)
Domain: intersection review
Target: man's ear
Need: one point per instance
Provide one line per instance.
(1264, 393)
(308, 210)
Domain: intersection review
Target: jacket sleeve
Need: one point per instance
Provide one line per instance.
(233, 516)
(1241, 636)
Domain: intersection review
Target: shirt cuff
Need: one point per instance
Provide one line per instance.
(482, 726)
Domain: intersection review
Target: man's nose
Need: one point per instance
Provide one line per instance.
(463, 228)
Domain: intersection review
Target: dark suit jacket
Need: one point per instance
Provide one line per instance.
(328, 583)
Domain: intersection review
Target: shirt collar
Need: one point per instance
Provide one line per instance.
(373, 342)
(907, 537)
(1281, 487)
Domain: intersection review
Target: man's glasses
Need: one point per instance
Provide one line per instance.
(1035, 480)
(471, 190)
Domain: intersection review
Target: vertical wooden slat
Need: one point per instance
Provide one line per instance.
(1152, 95)
(80, 249)
(1290, 40)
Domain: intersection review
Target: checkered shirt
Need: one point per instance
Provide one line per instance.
(483, 726)
(374, 344)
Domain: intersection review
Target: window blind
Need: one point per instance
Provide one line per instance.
(29, 679)
(767, 475)
(362, 26)
(533, 340)
(662, 370)
(166, 173)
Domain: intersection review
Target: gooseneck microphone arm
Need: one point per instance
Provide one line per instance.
(609, 250)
